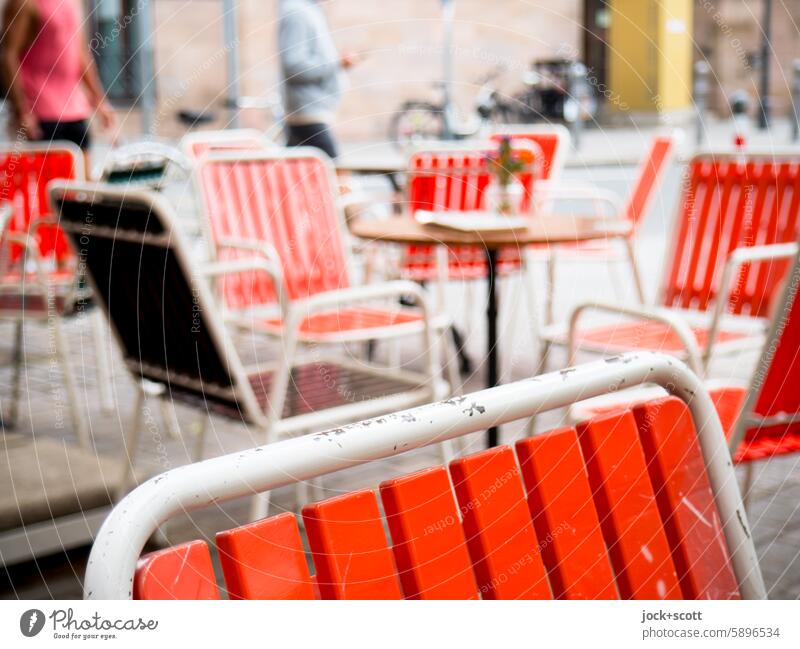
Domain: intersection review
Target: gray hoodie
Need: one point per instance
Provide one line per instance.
(310, 63)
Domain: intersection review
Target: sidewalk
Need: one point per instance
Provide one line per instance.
(606, 146)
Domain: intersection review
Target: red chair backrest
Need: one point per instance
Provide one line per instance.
(622, 507)
(25, 172)
(650, 172)
(455, 180)
(729, 203)
(550, 143)
(199, 148)
(770, 420)
(286, 201)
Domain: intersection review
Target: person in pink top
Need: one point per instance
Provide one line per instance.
(53, 85)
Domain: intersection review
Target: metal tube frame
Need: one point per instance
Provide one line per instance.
(119, 544)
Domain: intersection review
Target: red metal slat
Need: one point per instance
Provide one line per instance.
(765, 278)
(702, 236)
(685, 500)
(717, 240)
(758, 215)
(265, 560)
(349, 548)
(182, 572)
(500, 536)
(626, 505)
(429, 546)
(650, 173)
(778, 394)
(560, 502)
(693, 185)
(25, 176)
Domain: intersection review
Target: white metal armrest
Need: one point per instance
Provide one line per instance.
(677, 324)
(31, 252)
(737, 258)
(301, 308)
(250, 264)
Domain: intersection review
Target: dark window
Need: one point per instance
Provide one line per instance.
(115, 34)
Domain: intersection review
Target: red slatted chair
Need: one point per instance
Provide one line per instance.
(637, 504)
(632, 209)
(36, 261)
(281, 206)
(729, 255)
(761, 421)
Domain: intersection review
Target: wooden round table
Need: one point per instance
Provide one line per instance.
(543, 230)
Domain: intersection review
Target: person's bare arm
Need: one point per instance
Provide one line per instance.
(19, 24)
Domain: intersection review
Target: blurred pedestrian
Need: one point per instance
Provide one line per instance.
(52, 83)
(312, 72)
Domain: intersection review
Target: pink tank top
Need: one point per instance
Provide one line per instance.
(51, 68)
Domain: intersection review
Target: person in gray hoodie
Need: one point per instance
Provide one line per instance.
(313, 74)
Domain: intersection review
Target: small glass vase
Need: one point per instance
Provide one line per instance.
(504, 199)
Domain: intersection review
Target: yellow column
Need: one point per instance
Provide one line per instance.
(650, 55)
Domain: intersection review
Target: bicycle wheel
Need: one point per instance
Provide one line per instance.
(416, 121)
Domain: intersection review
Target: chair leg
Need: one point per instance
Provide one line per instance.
(10, 419)
(259, 506)
(316, 489)
(637, 276)
(514, 290)
(528, 279)
(551, 287)
(616, 283)
(450, 359)
(448, 451)
(200, 439)
(62, 353)
(103, 361)
(131, 439)
(170, 418)
(301, 494)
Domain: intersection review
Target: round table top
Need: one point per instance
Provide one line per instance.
(542, 230)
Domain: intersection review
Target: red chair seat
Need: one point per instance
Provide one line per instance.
(329, 324)
(56, 277)
(647, 335)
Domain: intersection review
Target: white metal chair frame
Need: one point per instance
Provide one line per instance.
(60, 300)
(293, 312)
(128, 156)
(608, 204)
(421, 387)
(119, 544)
(679, 320)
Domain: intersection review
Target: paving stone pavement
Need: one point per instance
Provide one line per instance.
(774, 499)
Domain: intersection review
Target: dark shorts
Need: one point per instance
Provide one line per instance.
(316, 135)
(76, 132)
